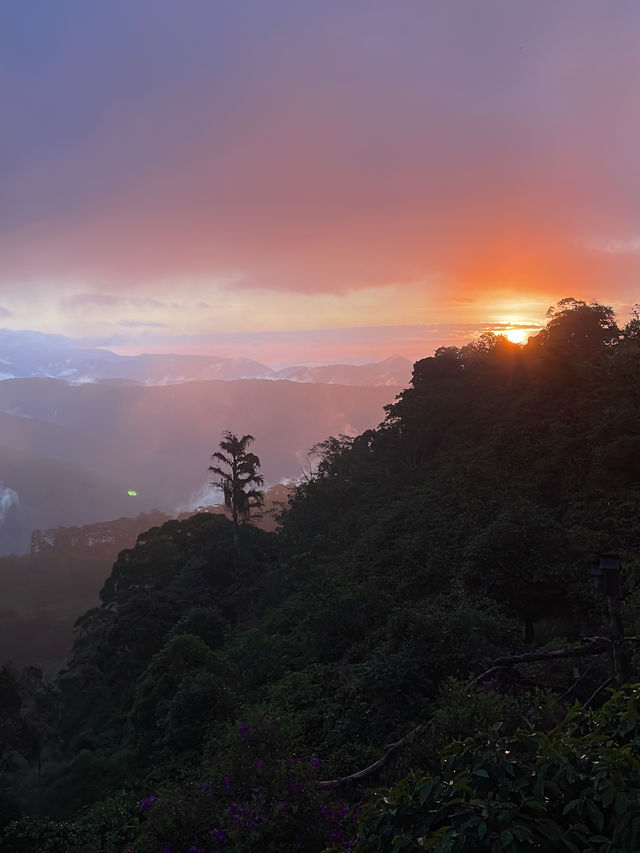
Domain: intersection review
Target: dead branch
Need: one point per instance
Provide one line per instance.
(597, 691)
(578, 680)
(597, 646)
(389, 750)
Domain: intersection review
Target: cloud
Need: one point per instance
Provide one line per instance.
(141, 323)
(322, 148)
(616, 246)
(79, 301)
(312, 346)
(4, 312)
(8, 498)
(97, 298)
(146, 302)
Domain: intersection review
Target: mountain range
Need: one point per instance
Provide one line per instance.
(27, 355)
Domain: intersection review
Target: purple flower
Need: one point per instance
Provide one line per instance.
(257, 764)
(226, 783)
(244, 732)
(236, 811)
(146, 803)
(219, 835)
(166, 849)
(206, 788)
(314, 761)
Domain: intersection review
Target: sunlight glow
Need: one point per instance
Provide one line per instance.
(516, 336)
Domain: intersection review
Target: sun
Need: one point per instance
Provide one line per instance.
(516, 336)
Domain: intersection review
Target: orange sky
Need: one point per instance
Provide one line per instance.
(176, 176)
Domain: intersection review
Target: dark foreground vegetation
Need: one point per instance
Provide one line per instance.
(42, 592)
(417, 659)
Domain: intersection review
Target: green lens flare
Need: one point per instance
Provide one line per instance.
(132, 492)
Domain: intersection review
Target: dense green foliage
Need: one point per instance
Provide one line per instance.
(575, 788)
(204, 700)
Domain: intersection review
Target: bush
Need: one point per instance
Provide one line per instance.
(257, 798)
(575, 789)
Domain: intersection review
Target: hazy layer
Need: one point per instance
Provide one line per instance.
(71, 453)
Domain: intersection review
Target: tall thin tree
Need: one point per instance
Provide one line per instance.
(235, 471)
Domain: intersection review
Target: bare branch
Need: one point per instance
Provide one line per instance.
(597, 646)
(598, 690)
(367, 771)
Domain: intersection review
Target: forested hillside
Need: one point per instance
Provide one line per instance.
(392, 669)
(42, 592)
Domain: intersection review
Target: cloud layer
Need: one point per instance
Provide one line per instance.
(433, 157)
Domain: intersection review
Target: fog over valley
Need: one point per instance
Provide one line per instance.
(96, 448)
(70, 454)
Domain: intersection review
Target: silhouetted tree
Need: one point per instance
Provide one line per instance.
(236, 472)
(577, 329)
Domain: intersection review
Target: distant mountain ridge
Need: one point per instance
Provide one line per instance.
(31, 355)
(394, 370)
(102, 538)
(110, 537)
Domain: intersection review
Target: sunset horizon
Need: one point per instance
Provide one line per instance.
(278, 348)
(272, 176)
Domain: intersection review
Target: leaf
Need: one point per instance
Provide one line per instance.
(425, 790)
(607, 796)
(622, 803)
(402, 844)
(571, 806)
(462, 786)
(535, 804)
(482, 830)
(596, 815)
(434, 841)
(521, 833)
(549, 829)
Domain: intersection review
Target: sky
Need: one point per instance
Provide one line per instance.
(296, 180)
